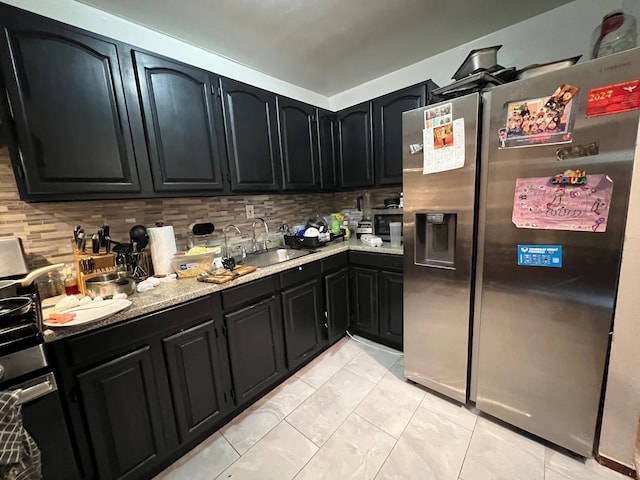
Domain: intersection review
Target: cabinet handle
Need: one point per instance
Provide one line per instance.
(300, 268)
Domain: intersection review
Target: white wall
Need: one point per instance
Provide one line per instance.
(622, 399)
(92, 19)
(560, 33)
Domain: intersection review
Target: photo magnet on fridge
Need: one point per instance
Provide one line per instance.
(539, 121)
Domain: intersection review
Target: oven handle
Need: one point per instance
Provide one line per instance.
(36, 388)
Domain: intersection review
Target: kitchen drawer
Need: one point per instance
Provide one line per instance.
(104, 343)
(335, 262)
(297, 275)
(248, 293)
(380, 261)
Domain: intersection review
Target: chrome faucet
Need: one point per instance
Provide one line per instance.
(226, 248)
(253, 230)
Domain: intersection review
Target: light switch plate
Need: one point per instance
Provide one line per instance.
(249, 211)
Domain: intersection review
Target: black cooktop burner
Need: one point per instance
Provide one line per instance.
(21, 331)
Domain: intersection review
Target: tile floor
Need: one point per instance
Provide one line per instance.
(350, 414)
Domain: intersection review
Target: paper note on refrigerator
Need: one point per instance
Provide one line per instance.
(539, 204)
(444, 147)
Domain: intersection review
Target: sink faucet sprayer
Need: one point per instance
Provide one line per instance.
(226, 248)
(253, 230)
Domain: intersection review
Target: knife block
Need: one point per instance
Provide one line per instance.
(103, 263)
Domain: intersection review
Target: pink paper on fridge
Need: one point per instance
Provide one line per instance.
(538, 204)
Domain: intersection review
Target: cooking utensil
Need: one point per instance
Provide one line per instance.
(139, 237)
(28, 280)
(539, 69)
(230, 264)
(106, 230)
(14, 306)
(76, 229)
(478, 60)
(108, 285)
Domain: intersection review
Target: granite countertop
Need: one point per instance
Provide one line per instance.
(173, 293)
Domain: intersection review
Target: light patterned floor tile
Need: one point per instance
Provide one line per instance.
(431, 448)
(323, 412)
(391, 404)
(329, 363)
(204, 462)
(578, 469)
(450, 409)
(498, 453)
(355, 451)
(280, 455)
(255, 422)
(372, 364)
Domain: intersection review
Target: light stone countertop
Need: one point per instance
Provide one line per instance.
(173, 293)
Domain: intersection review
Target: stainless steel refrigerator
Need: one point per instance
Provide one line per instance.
(439, 236)
(552, 197)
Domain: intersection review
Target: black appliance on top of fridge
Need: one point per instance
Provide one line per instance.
(515, 203)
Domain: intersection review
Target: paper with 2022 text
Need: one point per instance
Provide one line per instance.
(444, 147)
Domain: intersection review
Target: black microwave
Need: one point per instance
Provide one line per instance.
(381, 218)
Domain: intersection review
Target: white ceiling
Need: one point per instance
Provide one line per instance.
(326, 46)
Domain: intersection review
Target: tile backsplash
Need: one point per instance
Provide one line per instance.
(46, 229)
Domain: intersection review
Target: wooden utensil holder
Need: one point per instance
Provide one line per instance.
(103, 263)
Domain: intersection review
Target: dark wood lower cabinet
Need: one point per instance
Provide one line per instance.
(336, 291)
(256, 350)
(123, 415)
(195, 377)
(390, 306)
(376, 297)
(364, 295)
(141, 393)
(303, 324)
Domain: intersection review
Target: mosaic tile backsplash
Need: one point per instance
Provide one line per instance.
(46, 229)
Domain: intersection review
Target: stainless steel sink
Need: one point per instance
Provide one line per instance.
(273, 257)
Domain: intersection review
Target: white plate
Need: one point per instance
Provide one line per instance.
(92, 312)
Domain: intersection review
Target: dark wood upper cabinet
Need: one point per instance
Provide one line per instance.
(298, 145)
(69, 109)
(354, 146)
(387, 131)
(252, 136)
(327, 144)
(183, 124)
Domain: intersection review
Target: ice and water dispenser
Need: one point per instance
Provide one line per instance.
(435, 239)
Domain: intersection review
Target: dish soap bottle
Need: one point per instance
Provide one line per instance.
(616, 34)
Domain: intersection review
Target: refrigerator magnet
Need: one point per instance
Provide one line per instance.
(438, 116)
(540, 256)
(444, 147)
(544, 204)
(539, 121)
(618, 98)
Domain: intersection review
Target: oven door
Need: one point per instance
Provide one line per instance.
(44, 420)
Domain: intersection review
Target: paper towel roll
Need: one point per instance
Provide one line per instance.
(162, 243)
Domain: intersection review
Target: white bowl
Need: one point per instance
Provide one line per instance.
(312, 232)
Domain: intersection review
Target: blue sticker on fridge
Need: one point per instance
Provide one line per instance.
(540, 256)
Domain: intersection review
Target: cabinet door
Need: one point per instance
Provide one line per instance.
(327, 143)
(364, 298)
(256, 350)
(336, 290)
(182, 119)
(298, 145)
(387, 131)
(122, 410)
(251, 136)
(391, 313)
(303, 320)
(70, 114)
(195, 376)
(355, 156)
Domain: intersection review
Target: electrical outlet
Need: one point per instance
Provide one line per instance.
(249, 211)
